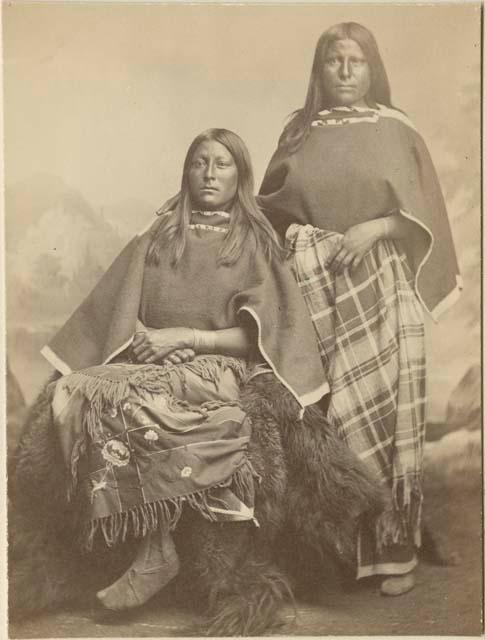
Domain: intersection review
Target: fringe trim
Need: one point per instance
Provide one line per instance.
(164, 514)
(402, 520)
(78, 451)
(106, 387)
(209, 368)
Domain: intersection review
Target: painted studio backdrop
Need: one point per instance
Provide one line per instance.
(102, 100)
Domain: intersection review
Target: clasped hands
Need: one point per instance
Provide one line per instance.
(354, 244)
(163, 345)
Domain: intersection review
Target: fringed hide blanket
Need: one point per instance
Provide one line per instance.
(142, 441)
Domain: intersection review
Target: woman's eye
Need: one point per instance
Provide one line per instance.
(198, 164)
(331, 61)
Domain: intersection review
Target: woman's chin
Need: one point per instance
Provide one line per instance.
(208, 204)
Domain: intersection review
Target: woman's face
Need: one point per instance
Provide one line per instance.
(212, 177)
(346, 75)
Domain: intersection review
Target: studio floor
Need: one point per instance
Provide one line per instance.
(446, 600)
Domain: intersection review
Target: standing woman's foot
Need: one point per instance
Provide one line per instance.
(155, 564)
(397, 585)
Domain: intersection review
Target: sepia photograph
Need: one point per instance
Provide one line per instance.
(243, 319)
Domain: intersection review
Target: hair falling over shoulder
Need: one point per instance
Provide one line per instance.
(248, 228)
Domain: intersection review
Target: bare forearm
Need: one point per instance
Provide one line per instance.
(359, 239)
(228, 342)
(393, 227)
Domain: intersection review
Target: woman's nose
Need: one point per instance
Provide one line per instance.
(345, 69)
(209, 171)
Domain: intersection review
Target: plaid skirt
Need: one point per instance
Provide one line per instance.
(370, 334)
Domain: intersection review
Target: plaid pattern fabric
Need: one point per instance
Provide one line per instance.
(371, 339)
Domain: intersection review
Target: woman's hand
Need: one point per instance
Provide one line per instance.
(180, 356)
(179, 344)
(154, 345)
(354, 244)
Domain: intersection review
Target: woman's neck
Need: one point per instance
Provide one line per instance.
(222, 214)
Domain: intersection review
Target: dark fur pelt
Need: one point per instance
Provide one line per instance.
(312, 493)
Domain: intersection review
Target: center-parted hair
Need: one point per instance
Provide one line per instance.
(298, 127)
(248, 228)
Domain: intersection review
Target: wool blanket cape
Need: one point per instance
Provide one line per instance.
(360, 164)
(264, 296)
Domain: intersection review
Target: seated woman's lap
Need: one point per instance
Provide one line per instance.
(171, 437)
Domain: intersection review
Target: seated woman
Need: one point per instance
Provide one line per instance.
(147, 410)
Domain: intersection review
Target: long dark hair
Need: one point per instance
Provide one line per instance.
(247, 221)
(298, 127)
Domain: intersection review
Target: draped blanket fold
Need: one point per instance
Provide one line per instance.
(371, 339)
(201, 294)
(142, 441)
(359, 164)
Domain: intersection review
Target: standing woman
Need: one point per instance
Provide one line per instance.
(353, 188)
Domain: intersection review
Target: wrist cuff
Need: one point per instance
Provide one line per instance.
(204, 341)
